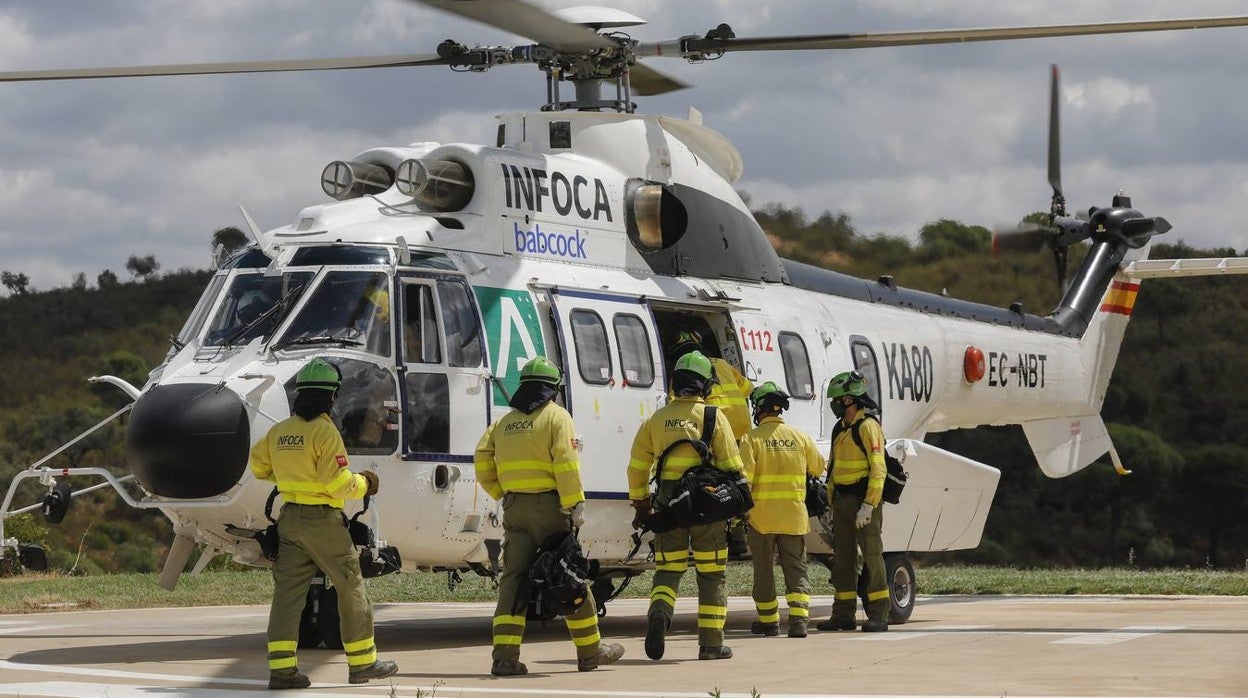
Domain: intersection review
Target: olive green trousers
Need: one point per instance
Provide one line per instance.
(528, 520)
(847, 540)
(709, 547)
(312, 537)
(791, 553)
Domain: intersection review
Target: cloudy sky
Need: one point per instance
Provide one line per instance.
(93, 171)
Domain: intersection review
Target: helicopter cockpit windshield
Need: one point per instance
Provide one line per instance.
(253, 305)
(347, 309)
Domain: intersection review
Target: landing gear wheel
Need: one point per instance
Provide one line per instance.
(902, 587)
(899, 575)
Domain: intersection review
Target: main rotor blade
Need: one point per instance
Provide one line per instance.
(1055, 139)
(698, 45)
(297, 64)
(647, 81)
(526, 20)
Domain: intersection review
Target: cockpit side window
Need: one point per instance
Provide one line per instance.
(459, 320)
(347, 309)
(420, 325)
(200, 314)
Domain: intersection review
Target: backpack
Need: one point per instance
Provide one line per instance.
(894, 478)
(816, 496)
(559, 577)
(704, 494)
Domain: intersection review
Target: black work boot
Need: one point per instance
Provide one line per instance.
(714, 652)
(379, 669)
(288, 679)
(508, 667)
(797, 627)
(874, 626)
(656, 629)
(834, 624)
(758, 627)
(607, 654)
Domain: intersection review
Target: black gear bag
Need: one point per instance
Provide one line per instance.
(559, 577)
(816, 496)
(704, 494)
(894, 479)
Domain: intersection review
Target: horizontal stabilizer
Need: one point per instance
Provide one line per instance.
(945, 503)
(1163, 268)
(1066, 445)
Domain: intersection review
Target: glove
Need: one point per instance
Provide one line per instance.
(576, 513)
(864, 515)
(373, 481)
(641, 508)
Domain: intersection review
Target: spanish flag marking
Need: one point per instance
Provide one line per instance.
(1120, 298)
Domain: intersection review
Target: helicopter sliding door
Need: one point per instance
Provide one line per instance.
(445, 410)
(614, 380)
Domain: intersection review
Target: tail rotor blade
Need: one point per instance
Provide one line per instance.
(1026, 238)
(1145, 226)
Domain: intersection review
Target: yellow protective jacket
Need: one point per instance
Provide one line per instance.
(679, 419)
(308, 463)
(777, 459)
(730, 394)
(850, 465)
(534, 452)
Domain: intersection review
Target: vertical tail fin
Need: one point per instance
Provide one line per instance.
(1065, 445)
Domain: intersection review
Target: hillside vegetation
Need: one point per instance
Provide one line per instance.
(1177, 405)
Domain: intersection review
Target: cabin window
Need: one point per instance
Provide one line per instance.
(796, 366)
(561, 134)
(420, 326)
(593, 356)
(428, 416)
(864, 362)
(366, 408)
(636, 361)
(459, 321)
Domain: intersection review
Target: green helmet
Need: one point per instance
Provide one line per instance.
(696, 362)
(686, 341)
(765, 391)
(318, 374)
(540, 369)
(849, 383)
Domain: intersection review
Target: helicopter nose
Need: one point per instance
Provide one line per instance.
(188, 440)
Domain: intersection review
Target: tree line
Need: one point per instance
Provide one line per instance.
(1177, 406)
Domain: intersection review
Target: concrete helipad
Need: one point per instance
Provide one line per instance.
(953, 646)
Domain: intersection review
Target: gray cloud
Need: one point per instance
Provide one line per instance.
(91, 172)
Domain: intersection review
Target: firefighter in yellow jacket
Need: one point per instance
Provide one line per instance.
(777, 460)
(305, 457)
(729, 392)
(856, 488)
(682, 419)
(528, 459)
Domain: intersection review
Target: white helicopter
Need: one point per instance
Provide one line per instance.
(592, 235)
